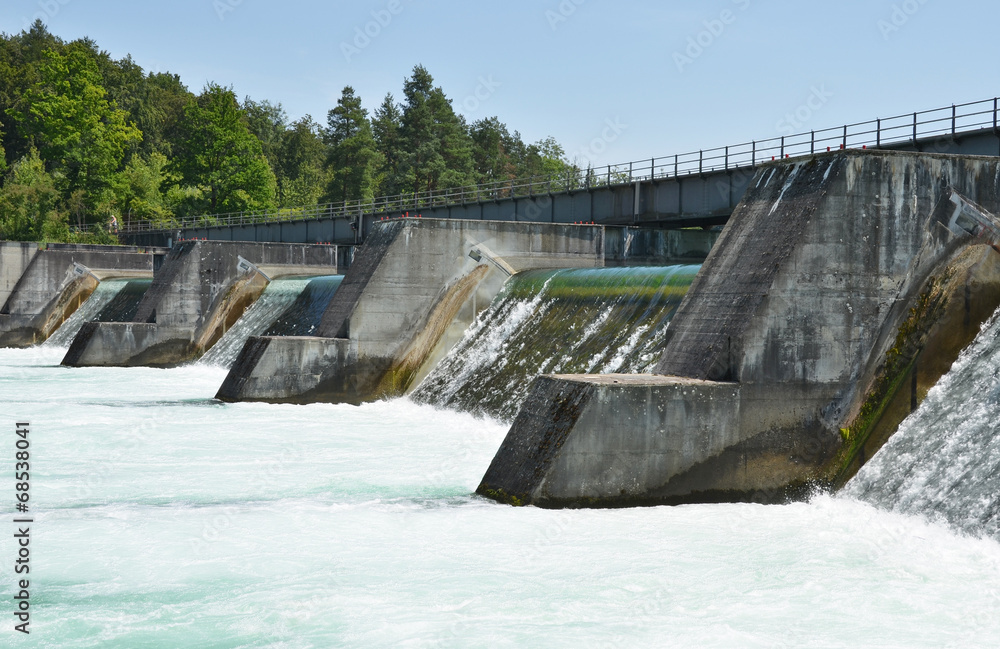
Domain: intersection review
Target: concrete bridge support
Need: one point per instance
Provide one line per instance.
(201, 290)
(843, 287)
(54, 279)
(410, 294)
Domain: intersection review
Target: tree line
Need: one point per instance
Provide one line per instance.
(86, 139)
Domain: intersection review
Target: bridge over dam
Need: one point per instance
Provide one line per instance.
(696, 189)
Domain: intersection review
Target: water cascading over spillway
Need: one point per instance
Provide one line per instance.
(306, 312)
(944, 461)
(592, 320)
(114, 300)
(287, 307)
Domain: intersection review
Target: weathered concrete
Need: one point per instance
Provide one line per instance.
(56, 280)
(411, 292)
(201, 290)
(825, 285)
(15, 257)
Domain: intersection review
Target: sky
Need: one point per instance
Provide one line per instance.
(611, 81)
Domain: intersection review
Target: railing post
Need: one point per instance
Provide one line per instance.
(812, 142)
(914, 129)
(844, 144)
(782, 155)
(953, 121)
(753, 154)
(676, 167)
(878, 133)
(609, 175)
(630, 164)
(994, 114)
(701, 155)
(652, 168)
(726, 164)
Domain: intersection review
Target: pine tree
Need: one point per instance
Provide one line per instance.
(353, 158)
(386, 125)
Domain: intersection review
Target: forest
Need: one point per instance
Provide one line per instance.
(87, 141)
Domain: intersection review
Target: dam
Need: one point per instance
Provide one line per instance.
(585, 373)
(633, 366)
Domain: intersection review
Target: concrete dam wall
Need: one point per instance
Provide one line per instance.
(842, 288)
(53, 280)
(201, 290)
(411, 292)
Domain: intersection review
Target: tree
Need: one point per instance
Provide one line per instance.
(438, 150)
(80, 134)
(217, 153)
(353, 158)
(163, 109)
(20, 58)
(29, 203)
(386, 124)
(495, 150)
(137, 189)
(268, 122)
(302, 175)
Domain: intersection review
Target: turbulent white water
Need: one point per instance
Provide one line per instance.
(279, 296)
(166, 519)
(579, 320)
(109, 302)
(944, 461)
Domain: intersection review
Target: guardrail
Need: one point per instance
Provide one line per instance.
(949, 121)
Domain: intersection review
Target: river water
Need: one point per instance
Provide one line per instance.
(166, 519)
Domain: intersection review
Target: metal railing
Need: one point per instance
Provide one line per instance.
(946, 122)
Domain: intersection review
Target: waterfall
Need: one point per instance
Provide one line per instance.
(592, 320)
(114, 300)
(306, 312)
(287, 307)
(944, 461)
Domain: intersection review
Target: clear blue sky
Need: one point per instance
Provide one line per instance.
(567, 68)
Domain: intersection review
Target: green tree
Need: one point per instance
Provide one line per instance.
(216, 153)
(137, 189)
(80, 134)
(386, 124)
(302, 174)
(29, 203)
(496, 152)
(20, 58)
(438, 150)
(353, 158)
(159, 118)
(268, 122)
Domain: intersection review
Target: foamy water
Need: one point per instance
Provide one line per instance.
(166, 519)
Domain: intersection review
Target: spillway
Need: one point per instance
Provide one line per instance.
(114, 300)
(944, 461)
(288, 307)
(584, 320)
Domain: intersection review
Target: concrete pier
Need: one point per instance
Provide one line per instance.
(201, 290)
(52, 280)
(837, 277)
(412, 290)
